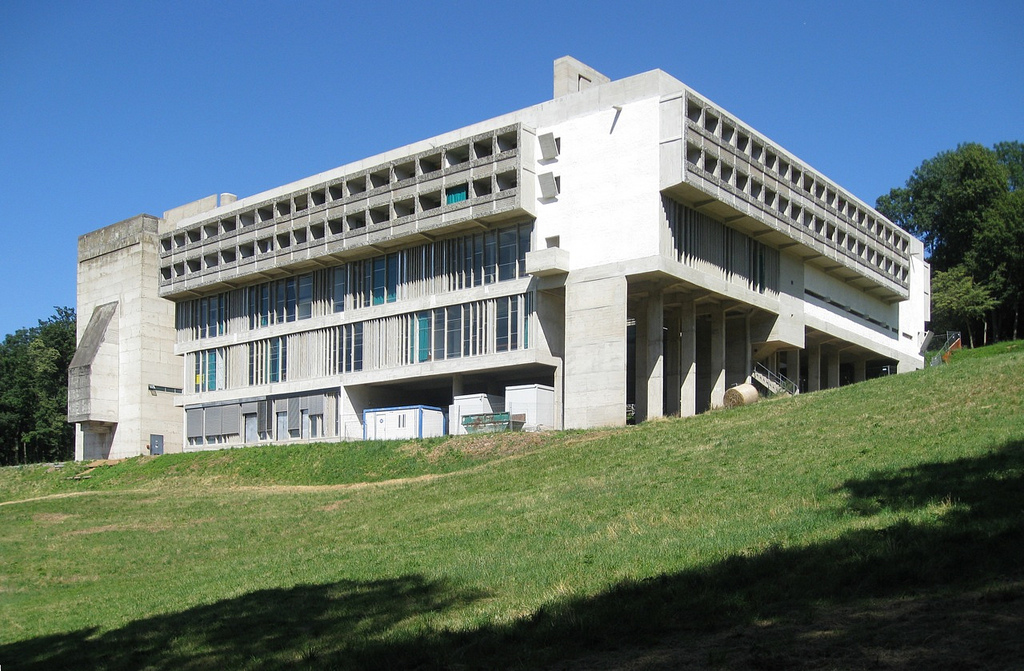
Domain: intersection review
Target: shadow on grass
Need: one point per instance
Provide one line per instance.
(275, 628)
(939, 595)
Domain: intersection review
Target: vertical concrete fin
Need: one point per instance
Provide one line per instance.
(572, 76)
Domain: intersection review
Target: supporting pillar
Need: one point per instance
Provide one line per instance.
(655, 318)
(457, 388)
(860, 370)
(814, 368)
(687, 360)
(832, 369)
(672, 369)
(717, 357)
(640, 362)
(594, 377)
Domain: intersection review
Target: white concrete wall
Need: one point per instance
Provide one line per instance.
(120, 263)
(608, 209)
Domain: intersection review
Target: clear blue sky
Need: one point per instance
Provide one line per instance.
(109, 109)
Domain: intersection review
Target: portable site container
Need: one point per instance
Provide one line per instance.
(472, 404)
(536, 401)
(409, 421)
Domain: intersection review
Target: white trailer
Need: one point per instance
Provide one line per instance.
(536, 401)
(405, 422)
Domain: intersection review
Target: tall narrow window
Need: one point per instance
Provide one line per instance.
(507, 254)
(340, 287)
(454, 331)
(490, 257)
(392, 277)
(501, 325)
(291, 301)
(422, 336)
(305, 308)
(379, 279)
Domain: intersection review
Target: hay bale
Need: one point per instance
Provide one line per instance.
(741, 394)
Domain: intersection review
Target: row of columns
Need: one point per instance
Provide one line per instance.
(675, 367)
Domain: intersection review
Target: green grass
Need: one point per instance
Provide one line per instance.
(876, 526)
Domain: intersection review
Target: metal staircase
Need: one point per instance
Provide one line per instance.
(773, 382)
(952, 344)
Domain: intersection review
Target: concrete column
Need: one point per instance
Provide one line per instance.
(687, 360)
(640, 362)
(457, 389)
(559, 384)
(672, 382)
(814, 368)
(655, 319)
(717, 357)
(595, 353)
(860, 370)
(832, 369)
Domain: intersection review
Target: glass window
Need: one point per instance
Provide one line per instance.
(340, 287)
(507, 254)
(456, 194)
(305, 309)
(501, 339)
(380, 275)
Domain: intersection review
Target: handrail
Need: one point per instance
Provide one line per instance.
(952, 339)
(780, 381)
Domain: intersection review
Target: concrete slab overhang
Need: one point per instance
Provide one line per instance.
(759, 225)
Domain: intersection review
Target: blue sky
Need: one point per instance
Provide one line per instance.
(109, 109)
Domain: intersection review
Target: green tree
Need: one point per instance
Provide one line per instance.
(945, 198)
(998, 254)
(958, 301)
(966, 205)
(33, 398)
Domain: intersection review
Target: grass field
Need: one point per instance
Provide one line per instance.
(876, 526)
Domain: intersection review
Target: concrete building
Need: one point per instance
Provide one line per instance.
(627, 243)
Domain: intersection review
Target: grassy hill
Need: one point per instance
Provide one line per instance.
(876, 526)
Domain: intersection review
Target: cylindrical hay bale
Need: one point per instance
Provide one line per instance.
(741, 394)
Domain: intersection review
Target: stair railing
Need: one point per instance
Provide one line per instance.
(780, 382)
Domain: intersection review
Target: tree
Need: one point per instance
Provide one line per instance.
(33, 398)
(998, 254)
(957, 300)
(944, 200)
(967, 206)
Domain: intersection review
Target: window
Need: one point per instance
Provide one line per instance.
(305, 308)
(207, 363)
(340, 287)
(456, 194)
(507, 254)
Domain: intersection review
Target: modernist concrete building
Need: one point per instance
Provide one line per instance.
(628, 242)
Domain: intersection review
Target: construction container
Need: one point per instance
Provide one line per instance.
(472, 404)
(405, 422)
(492, 422)
(535, 401)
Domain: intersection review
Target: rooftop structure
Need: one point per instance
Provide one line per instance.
(628, 244)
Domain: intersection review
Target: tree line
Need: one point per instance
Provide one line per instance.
(967, 205)
(34, 391)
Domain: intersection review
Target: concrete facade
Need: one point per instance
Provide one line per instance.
(628, 243)
(124, 377)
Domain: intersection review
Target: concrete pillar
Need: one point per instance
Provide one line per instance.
(814, 368)
(717, 357)
(640, 362)
(687, 360)
(655, 319)
(860, 370)
(832, 369)
(595, 353)
(457, 388)
(672, 382)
